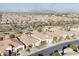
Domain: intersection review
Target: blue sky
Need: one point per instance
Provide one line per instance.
(31, 7)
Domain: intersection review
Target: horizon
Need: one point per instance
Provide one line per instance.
(39, 7)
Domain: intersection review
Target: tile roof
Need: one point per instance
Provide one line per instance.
(28, 39)
(5, 44)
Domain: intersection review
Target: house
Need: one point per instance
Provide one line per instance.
(28, 40)
(7, 43)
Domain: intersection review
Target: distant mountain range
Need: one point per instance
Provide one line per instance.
(39, 7)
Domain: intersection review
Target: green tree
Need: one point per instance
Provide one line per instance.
(55, 39)
(67, 37)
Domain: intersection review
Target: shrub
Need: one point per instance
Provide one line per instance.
(39, 29)
(74, 47)
(12, 36)
(55, 53)
(54, 39)
(1, 38)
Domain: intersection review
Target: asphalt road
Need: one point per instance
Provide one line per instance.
(54, 47)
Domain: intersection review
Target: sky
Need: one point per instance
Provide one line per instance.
(41, 7)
